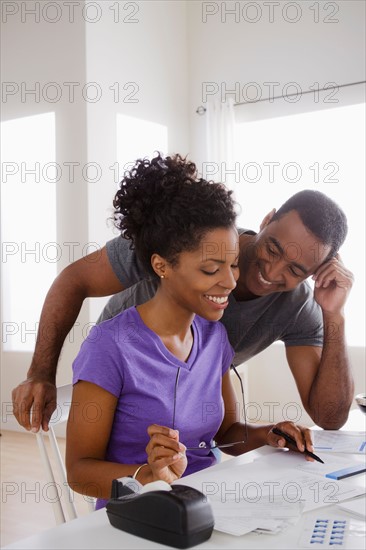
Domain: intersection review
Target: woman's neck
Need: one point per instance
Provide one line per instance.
(172, 324)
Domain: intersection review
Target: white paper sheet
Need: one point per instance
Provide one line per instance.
(276, 488)
(289, 459)
(315, 491)
(334, 441)
(236, 526)
(355, 507)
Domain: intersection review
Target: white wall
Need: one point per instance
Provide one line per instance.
(144, 43)
(270, 390)
(226, 52)
(150, 54)
(226, 49)
(169, 52)
(36, 51)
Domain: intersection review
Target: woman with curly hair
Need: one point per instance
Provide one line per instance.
(152, 391)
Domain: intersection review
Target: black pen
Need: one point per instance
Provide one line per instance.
(291, 441)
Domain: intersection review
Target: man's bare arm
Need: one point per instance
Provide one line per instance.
(323, 375)
(90, 276)
(324, 380)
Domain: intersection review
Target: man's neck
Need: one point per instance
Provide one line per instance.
(241, 292)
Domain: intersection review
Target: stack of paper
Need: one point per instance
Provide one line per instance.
(270, 493)
(268, 515)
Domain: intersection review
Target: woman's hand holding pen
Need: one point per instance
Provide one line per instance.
(165, 454)
(300, 435)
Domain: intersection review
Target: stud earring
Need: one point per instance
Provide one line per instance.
(162, 276)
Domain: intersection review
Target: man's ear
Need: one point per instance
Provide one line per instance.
(267, 219)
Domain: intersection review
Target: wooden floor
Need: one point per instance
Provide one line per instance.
(25, 502)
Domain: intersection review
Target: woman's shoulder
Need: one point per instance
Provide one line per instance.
(107, 330)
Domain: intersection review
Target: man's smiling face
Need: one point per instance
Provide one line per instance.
(281, 256)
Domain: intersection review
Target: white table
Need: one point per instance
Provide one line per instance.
(94, 532)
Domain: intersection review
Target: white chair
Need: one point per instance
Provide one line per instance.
(55, 469)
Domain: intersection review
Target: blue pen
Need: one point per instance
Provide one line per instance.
(291, 441)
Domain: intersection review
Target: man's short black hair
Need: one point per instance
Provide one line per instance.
(321, 215)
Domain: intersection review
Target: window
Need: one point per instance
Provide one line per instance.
(137, 138)
(28, 225)
(321, 149)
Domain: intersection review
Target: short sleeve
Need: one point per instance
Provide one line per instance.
(124, 261)
(306, 326)
(134, 295)
(99, 360)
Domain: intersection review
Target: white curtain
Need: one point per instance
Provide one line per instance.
(220, 136)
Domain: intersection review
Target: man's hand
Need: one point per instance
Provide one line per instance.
(36, 395)
(166, 456)
(90, 276)
(333, 282)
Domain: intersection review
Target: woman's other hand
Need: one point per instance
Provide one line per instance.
(165, 454)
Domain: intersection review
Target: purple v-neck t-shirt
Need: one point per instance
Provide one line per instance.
(126, 358)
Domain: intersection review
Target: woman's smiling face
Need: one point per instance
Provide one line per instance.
(202, 279)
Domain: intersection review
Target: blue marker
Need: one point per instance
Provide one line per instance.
(347, 472)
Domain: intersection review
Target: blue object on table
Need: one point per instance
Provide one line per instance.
(347, 472)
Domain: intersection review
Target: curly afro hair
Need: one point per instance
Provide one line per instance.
(164, 208)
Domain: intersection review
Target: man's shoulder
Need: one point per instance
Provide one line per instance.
(243, 231)
(295, 303)
(135, 295)
(303, 291)
(118, 242)
(293, 300)
(277, 304)
(298, 295)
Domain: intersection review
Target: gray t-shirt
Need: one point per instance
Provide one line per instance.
(293, 317)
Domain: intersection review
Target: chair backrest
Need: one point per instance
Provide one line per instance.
(62, 496)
